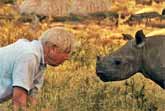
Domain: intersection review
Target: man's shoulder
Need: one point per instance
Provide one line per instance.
(23, 40)
(27, 47)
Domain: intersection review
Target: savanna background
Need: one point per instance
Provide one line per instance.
(74, 86)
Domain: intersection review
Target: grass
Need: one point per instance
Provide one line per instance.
(74, 86)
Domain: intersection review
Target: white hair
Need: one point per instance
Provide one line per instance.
(58, 36)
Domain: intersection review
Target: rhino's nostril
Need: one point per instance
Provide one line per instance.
(99, 72)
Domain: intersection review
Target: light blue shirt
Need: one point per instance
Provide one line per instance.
(21, 64)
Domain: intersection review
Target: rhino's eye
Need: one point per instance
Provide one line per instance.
(117, 62)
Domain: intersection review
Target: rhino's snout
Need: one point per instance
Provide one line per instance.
(98, 58)
(101, 75)
(99, 69)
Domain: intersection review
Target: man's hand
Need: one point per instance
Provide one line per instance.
(19, 98)
(32, 100)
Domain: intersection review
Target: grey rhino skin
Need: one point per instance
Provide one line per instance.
(145, 55)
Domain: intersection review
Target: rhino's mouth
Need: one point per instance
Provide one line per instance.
(102, 76)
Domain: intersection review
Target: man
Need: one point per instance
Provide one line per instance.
(23, 62)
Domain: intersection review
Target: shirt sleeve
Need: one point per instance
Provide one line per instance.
(24, 70)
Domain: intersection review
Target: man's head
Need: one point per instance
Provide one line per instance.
(57, 44)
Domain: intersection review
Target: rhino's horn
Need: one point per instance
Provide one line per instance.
(140, 38)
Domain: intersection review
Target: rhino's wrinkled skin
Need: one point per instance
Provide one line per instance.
(145, 55)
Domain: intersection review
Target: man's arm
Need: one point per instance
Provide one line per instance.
(19, 98)
(23, 75)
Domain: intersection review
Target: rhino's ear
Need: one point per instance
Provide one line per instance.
(127, 37)
(140, 38)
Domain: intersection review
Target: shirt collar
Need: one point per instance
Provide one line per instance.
(42, 54)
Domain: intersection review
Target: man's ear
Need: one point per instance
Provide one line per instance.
(50, 45)
(140, 38)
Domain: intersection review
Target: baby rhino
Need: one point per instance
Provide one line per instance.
(145, 55)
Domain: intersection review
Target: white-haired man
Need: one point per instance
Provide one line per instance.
(23, 63)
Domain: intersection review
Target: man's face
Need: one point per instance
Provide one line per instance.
(56, 57)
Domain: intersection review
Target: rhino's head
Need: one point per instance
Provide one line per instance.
(122, 63)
